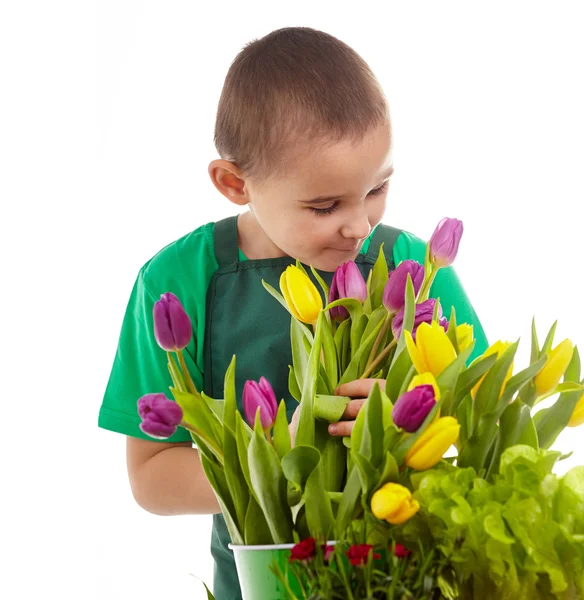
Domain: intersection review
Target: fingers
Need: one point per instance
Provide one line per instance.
(353, 408)
(341, 429)
(360, 388)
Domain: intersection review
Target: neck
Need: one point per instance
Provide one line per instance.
(253, 241)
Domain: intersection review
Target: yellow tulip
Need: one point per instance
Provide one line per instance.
(577, 417)
(432, 351)
(301, 295)
(394, 503)
(557, 363)
(497, 348)
(425, 379)
(464, 335)
(430, 447)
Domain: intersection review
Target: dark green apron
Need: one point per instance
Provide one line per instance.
(243, 319)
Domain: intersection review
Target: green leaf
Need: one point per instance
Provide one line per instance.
(257, 531)
(305, 432)
(293, 385)
(347, 507)
(330, 408)
(230, 407)
(370, 447)
(520, 382)
(409, 313)
(469, 377)
(216, 406)
(451, 333)
(242, 438)
(277, 295)
(401, 365)
(281, 433)
(357, 331)
(321, 282)
(352, 371)
(299, 463)
(535, 351)
(299, 353)
(334, 464)
(379, 277)
(235, 478)
(491, 387)
(448, 378)
(269, 485)
(319, 512)
(330, 356)
(550, 422)
(549, 340)
(389, 472)
(216, 477)
(367, 474)
(515, 427)
(176, 374)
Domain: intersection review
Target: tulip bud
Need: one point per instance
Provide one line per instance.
(557, 363)
(394, 503)
(401, 551)
(424, 314)
(444, 242)
(172, 325)
(577, 417)
(347, 283)
(425, 379)
(260, 395)
(432, 351)
(301, 295)
(394, 293)
(429, 448)
(413, 407)
(497, 348)
(160, 416)
(464, 335)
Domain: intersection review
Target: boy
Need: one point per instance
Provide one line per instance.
(304, 136)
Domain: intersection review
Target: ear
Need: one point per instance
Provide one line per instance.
(228, 179)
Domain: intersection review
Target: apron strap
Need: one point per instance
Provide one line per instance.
(386, 235)
(225, 242)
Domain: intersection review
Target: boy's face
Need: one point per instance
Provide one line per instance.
(326, 206)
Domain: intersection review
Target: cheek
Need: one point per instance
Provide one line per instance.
(376, 210)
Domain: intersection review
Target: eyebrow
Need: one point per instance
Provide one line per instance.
(325, 199)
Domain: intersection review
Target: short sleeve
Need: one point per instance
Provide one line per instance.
(447, 287)
(139, 368)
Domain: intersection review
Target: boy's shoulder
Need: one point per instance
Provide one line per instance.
(190, 257)
(407, 245)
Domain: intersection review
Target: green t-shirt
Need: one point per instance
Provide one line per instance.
(185, 268)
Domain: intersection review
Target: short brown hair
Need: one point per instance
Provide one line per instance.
(294, 84)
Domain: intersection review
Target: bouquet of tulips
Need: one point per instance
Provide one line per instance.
(388, 483)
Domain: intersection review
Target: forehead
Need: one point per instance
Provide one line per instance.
(353, 164)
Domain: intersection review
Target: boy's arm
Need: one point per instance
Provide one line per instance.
(157, 477)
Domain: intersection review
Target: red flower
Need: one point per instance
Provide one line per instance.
(401, 551)
(327, 552)
(358, 554)
(303, 550)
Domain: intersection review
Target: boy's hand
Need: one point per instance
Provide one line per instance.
(360, 390)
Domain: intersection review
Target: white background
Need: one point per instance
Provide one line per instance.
(105, 135)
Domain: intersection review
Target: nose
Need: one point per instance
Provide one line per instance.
(356, 226)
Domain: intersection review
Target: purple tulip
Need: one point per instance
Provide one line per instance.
(424, 314)
(160, 416)
(260, 395)
(444, 242)
(347, 283)
(172, 325)
(394, 294)
(413, 407)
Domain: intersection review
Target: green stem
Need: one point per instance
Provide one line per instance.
(186, 374)
(423, 295)
(379, 359)
(343, 574)
(380, 337)
(175, 373)
(207, 441)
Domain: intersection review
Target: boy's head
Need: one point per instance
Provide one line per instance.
(304, 136)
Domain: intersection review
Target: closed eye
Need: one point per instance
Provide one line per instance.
(331, 209)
